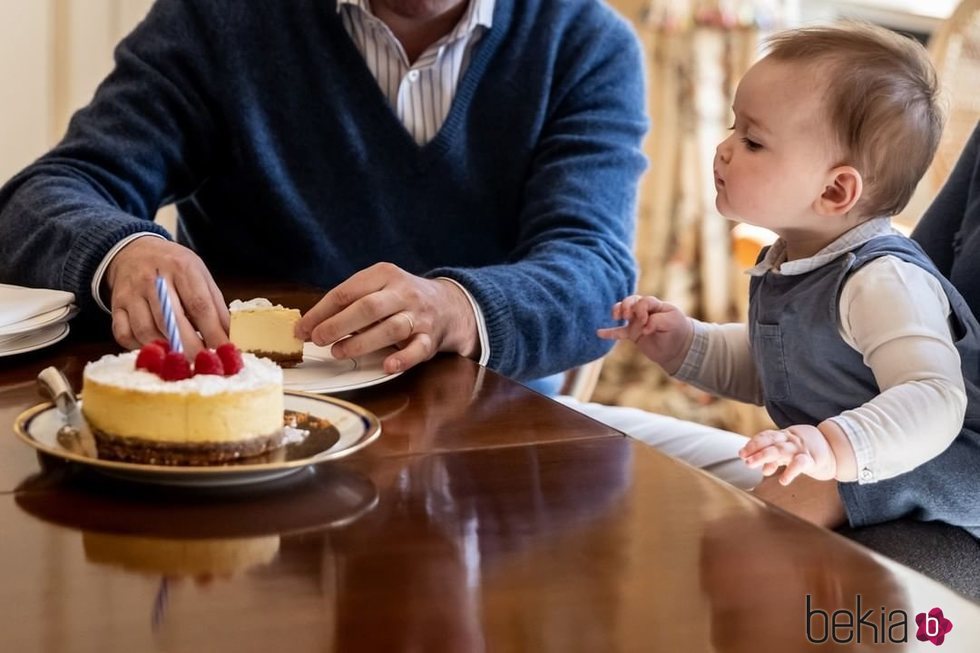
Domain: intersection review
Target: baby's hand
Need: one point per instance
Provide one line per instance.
(801, 448)
(637, 311)
(661, 330)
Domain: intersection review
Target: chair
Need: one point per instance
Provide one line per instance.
(955, 52)
(580, 382)
(942, 552)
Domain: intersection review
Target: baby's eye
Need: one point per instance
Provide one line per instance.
(752, 145)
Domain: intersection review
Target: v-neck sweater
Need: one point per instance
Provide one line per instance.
(263, 123)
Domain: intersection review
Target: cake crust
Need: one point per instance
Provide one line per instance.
(151, 452)
(280, 358)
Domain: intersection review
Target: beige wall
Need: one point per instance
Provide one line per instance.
(25, 58)
(53, 53)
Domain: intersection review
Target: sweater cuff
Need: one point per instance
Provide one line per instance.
(94, 238)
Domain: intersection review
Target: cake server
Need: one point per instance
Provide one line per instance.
(75, 435)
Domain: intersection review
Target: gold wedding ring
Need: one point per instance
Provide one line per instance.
(411, 323)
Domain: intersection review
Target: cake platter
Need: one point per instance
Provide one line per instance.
(339, 428)
(321, 372)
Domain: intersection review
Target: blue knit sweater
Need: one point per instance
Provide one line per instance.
(262, 122)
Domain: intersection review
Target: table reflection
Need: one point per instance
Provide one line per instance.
(321, 497)
(452, 530)
(776, 555)
(200, 559)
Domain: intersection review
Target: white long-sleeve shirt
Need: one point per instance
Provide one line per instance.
(896, 315)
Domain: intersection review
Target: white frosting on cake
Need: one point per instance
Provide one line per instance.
(120, 370)
(257, 304)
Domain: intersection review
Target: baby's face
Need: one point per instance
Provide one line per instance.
(775, 163)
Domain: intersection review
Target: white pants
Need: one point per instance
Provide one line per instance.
(711, 449)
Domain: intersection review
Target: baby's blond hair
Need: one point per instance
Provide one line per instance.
(882, 100)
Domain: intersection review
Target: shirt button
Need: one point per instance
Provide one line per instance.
(413, 76)
(866, 475)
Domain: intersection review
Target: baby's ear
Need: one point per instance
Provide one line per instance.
(841, 192)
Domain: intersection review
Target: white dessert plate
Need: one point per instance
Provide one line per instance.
(23, 343)
(18, 303)
(352, 429)
(321, 372)
(32, 324)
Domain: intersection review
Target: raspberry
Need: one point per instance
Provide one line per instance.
(163, 342)
(175, 367)
(208, 362)
(151, 358)
(231, 358)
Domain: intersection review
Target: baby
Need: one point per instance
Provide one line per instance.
(863, 354)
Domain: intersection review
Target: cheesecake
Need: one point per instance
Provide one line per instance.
(153, 407)
(265, 329)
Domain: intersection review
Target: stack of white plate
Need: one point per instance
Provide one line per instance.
(32, 318)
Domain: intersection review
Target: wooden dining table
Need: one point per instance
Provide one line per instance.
(486, 517)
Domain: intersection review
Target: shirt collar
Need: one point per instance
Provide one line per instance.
(775, 259)
(478, 13)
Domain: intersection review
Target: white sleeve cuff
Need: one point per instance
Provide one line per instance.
(864, 451)
(104, 265)
(691, 365)
(481, 323)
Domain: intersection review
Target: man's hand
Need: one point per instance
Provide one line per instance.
(661, 330)
(136, 314)
(384, 306)
(801, 448)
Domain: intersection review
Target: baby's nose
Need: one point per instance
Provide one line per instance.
(722, 153)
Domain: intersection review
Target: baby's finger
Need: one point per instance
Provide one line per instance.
(635, 329)
(649, 305)
(780, 453)
(627, 306)
(639, 312)
(613, 333)
(769, 469)
(764, 455)
(799, 465)
(617, 311)
(761, 441)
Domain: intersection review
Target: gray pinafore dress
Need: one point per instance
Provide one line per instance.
(809, 373)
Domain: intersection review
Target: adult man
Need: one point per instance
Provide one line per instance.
(480, 203)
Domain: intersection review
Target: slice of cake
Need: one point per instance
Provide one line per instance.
(152, 407)
(264, 329)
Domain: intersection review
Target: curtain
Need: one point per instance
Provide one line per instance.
(696, 51)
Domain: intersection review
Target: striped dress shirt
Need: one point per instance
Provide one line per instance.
(422, 92)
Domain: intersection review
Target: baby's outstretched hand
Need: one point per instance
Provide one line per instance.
(637, 311)
(661, 330)
(801, 449)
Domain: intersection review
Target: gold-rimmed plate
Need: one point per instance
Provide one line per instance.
(350, 429)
